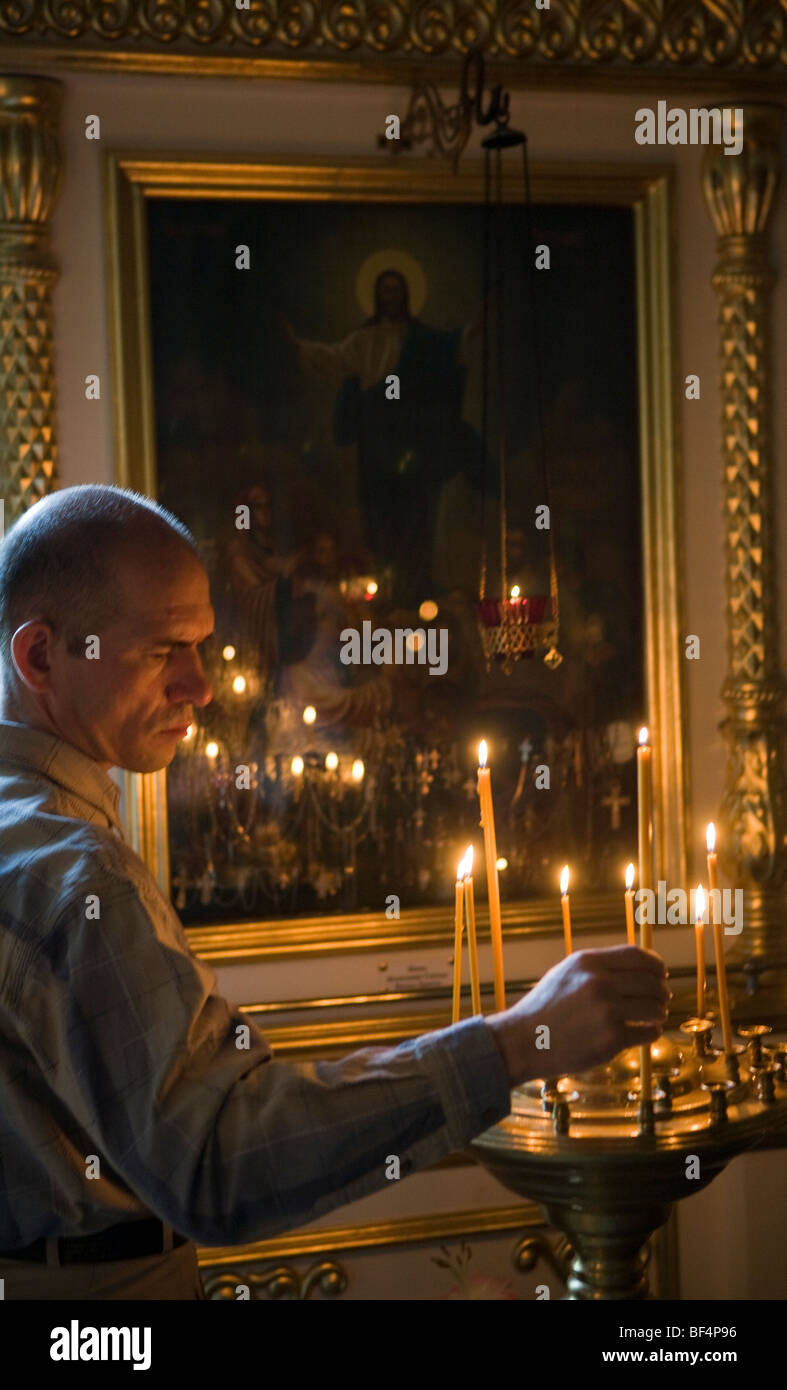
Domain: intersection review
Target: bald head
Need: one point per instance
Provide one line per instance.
(68, 560)
(104, 605)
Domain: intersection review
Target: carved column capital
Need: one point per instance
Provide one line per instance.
(740, 192)
(29, 175)
(740, 189)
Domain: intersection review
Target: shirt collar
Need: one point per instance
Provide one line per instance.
(64, 764)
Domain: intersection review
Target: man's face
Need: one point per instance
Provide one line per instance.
(130, 707)
(390, 296)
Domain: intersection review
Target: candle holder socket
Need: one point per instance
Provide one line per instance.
(719, 1093)
(755, 1033)
(663, 1099)
(765, 1083)
(560, 1117)
(549, 1094)
(699, 1030)
(647, 1118)
(732, 1064)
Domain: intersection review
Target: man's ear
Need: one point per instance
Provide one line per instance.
(31, 652)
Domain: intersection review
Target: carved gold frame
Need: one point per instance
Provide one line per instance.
(133, 179)
(638, 45)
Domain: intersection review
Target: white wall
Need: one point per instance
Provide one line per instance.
(258, 117)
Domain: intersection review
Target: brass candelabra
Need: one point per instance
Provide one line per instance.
(578, 1146)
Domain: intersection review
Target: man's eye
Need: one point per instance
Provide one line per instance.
(160, 656)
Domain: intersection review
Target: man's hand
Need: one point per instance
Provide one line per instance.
(595, 1003)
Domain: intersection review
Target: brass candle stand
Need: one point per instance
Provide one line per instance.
(582, 1146)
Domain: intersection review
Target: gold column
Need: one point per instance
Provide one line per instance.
(29, 170)
(740, 192)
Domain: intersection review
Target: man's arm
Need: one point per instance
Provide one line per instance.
(180, 1094)
(182, 1098)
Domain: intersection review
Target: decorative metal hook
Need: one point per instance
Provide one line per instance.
(445, 130)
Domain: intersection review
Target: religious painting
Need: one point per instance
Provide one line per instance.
(317, 380)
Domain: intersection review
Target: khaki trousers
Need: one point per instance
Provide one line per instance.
(174, 1275)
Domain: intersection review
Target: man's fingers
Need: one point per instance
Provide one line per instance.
(638, 1033)
(640, 1009)
(639, 982)
(626, 958)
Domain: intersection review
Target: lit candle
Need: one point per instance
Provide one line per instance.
(644, 803)
(699, 928)
(629, 898)
(459, 911)
(475, 984)
(718, 940)
(492, 881)
(564, 903)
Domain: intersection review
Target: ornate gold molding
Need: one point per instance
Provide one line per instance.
(29, 170)
(740, 191)
(225, 1267)
(280, 1282)
(605, 43)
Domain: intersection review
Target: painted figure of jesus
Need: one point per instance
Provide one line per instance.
(410, 447)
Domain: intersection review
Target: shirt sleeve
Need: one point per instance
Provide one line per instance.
(181, 1095)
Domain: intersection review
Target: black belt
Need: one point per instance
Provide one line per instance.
(127, 1241)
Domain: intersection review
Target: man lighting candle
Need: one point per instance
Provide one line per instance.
(115, 1040)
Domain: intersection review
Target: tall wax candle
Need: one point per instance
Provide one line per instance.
(492, 881)
(566, 906)
(631, 936)
(718, 939)
(459, 913)
(644, 811)
(699, 930)
(475, 983)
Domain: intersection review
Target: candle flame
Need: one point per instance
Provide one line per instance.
(515, 591)
(461, 868)
(699, 904)
(643, 736)
(710, 837)
(468, 861)
(564, 880)
(482, 752)
(629, 876)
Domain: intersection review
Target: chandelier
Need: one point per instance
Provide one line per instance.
(511, 625)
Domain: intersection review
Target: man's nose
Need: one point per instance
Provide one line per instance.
(192, 686)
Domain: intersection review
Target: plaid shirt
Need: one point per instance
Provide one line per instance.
(115, 1043)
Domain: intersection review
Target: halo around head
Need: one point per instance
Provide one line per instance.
(390, 259)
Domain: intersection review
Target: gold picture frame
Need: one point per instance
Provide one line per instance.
(131, 181)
